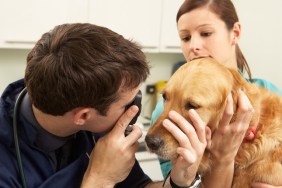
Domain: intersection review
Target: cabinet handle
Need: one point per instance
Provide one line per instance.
(149, 47)
(173, 47)
(19, 42)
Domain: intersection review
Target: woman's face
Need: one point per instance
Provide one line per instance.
(203, 34)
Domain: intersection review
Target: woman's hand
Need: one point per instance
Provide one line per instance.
(229, 136)
(114, 154)
(227, 140)
(192, 141)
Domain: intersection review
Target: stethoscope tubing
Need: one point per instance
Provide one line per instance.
(16, 139)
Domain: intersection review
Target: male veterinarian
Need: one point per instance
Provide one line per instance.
(63, 124)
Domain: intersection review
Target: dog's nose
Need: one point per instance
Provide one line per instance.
(154, 142)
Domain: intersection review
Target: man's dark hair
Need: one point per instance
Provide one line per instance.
(82, 65)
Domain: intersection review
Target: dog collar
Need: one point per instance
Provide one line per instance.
(251, 132)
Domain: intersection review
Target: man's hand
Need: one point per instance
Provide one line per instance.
(114, 154)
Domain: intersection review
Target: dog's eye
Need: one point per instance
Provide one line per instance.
(190, 105)
(164, 96)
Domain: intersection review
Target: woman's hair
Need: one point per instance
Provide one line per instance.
(227, 13)
(82, 65)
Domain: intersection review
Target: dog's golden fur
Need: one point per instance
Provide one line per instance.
(204, 84)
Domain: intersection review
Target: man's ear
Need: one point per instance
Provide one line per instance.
(81, 115)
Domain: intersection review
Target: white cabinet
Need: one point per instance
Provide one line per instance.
(169, 41)
(150, 23)
(134, 19)
(23, 22)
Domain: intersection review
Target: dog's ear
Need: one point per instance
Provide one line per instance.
(208, 137)
(252, 92)
(239, 83)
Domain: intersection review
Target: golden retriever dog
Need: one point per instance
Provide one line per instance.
(204, 85)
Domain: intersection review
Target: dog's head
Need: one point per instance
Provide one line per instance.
(203, 85)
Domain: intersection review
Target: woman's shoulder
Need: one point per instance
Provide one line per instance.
(266, 84)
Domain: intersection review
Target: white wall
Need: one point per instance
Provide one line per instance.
(261, 40)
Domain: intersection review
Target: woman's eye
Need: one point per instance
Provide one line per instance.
(186, 39)
(206, 34)
(190, 105)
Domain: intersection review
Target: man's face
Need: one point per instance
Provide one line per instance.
(101, 123)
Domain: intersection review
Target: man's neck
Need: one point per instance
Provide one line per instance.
(61, 126)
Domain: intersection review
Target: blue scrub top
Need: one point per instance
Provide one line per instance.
(38, 169)
(165, 164)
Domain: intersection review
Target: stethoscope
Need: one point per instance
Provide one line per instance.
(16, 139)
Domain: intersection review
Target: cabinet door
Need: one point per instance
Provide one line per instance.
(138, 20)
(169, 35)
(23, 22)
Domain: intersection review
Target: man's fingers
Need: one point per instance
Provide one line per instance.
(125, 119)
